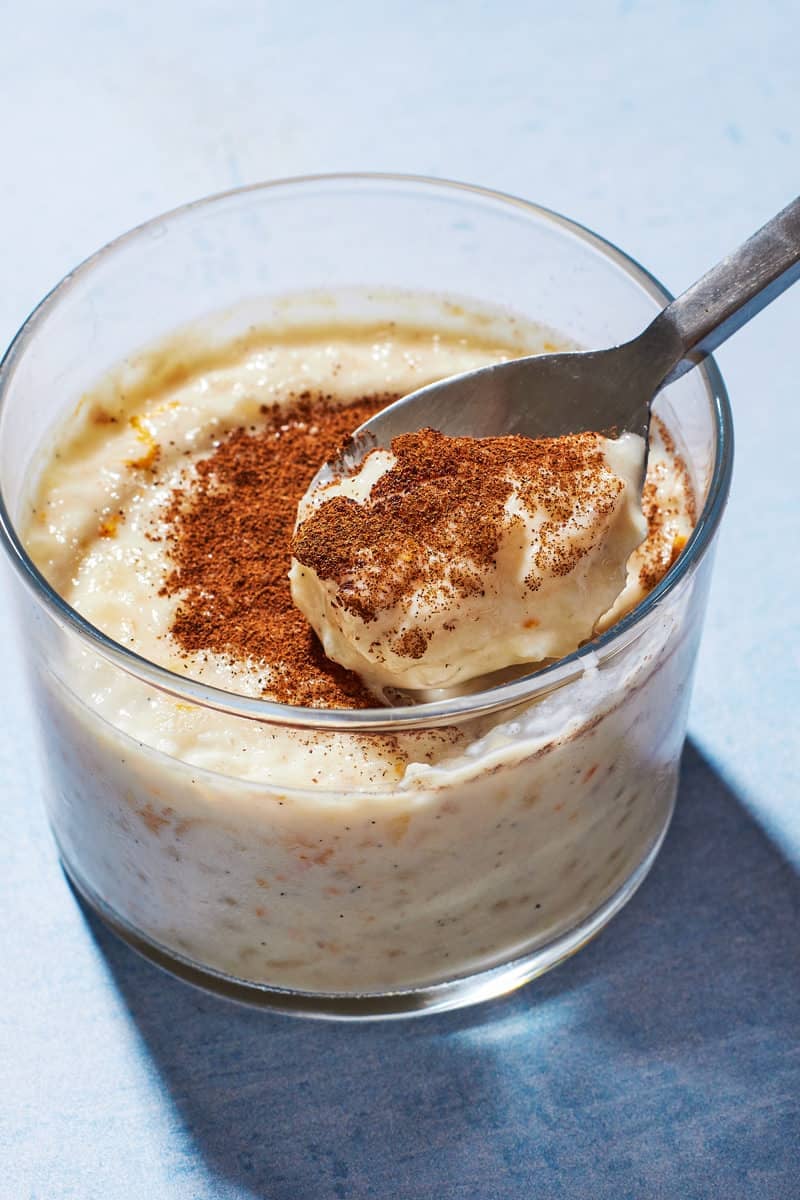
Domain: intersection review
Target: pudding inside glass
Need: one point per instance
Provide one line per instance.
(236, 804)
(164, 514)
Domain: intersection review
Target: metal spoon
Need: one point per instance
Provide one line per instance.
(548, 395)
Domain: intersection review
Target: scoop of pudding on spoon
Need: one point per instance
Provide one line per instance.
(486, 520)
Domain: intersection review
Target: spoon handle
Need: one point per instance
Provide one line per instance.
(726, 297)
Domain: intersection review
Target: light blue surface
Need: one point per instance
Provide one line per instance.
(663, 1061)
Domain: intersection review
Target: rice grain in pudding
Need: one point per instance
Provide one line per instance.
(310, 859)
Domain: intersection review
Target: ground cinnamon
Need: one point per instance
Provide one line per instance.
(437, 517)
(229, 526)
(228, 530)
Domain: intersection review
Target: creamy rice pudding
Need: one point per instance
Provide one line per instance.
(326, 861)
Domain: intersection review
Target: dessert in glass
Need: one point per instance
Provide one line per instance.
(243, 809)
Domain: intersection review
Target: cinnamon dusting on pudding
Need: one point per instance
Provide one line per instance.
(229, 529)
(666, 511)
(440, 513)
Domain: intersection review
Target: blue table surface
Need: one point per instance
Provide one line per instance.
(664, 1060)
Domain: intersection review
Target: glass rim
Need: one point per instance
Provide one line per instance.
(433, 713)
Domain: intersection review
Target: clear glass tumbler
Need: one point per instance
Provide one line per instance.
(449, 885)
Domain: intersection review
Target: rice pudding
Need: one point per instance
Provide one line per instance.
(325, 861)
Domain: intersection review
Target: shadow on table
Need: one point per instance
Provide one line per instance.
(661, 1061)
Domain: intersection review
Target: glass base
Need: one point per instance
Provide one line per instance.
(455, 993)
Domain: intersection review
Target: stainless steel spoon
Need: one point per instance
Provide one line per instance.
(603, 390)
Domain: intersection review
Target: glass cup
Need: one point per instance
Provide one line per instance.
(451, 884)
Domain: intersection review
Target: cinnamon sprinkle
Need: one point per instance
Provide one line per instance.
(229, 528)
(662, 512)
(437, 517)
